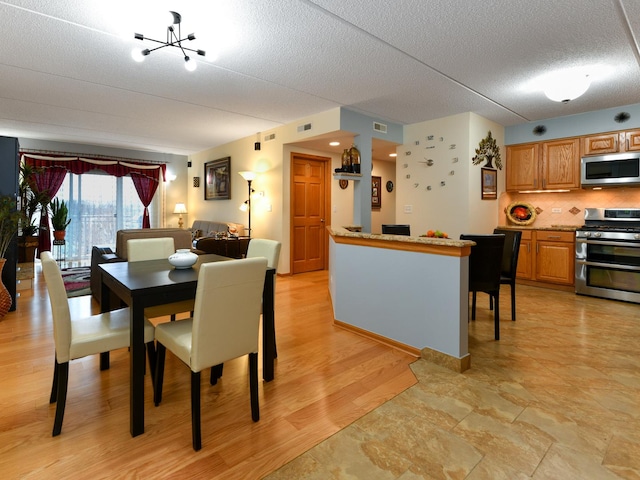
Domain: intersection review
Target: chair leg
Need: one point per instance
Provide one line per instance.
(151, 354)
(54, 384)
(173, 317)
(496, 316)
(513, 301)
(216, 373)
(195, 411)
(473, 306)
(157, 388)
(104, 361)
(490, 302)
(61, 400)
(253, 386)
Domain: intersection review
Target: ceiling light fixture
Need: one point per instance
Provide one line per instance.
(566, 86)
(173, 40)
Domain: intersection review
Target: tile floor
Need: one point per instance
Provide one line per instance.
(558, 397)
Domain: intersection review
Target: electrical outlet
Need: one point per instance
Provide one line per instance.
(556, 210)
(408, 208)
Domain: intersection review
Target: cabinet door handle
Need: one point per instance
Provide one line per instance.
(554, 236)
(528, 248)
(537, 247)
(544, 183)
(535, 183)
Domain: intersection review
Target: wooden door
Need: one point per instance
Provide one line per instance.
(555, 257)
(522, 167)
(525, 257)
(561, 164)
(308, 212)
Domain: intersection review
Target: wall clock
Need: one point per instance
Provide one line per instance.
(389, 186)
(344, 184)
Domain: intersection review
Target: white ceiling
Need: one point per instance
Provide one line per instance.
(66, 73)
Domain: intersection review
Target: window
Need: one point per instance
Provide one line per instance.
(99, 206)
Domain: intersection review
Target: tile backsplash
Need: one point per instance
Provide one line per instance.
(571, 204)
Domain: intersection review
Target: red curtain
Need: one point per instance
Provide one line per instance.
(48, 181)
(146, 188)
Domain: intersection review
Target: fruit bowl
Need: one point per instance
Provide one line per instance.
(521, 213)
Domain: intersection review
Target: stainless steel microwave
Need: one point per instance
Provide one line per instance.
(616, 169)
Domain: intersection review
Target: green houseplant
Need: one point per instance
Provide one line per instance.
(59, 218)
(31, 201)
(9, 219)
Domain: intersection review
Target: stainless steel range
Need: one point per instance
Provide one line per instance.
(608, 254)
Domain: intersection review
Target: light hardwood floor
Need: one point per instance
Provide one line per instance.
(558, 397)
(326, 378)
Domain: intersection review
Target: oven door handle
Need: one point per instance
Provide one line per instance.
(611, 266)
(608, 243)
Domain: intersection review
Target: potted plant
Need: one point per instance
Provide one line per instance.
(9, 218)
(59, 218)
(30, 202)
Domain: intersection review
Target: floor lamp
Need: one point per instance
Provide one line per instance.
(249, 177)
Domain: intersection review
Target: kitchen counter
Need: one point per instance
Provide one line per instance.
(417, 242)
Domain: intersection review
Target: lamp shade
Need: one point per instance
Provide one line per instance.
(248, 175)
(566, 87)
(180, 208)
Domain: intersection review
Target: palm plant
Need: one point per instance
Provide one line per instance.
(9, 218)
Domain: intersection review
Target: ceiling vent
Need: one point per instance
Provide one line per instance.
(271, 136)
(304, 128)
(379, 127)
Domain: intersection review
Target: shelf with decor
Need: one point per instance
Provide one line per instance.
(347, 176)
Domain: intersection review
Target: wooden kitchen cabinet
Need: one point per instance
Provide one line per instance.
(601, 144)
(544, 166)
(633, 140)
(547, 257)
(525, 253)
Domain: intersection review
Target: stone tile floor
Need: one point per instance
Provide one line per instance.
(558, 397)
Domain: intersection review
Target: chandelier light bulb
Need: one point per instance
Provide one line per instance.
(137, 55)
(189, 64)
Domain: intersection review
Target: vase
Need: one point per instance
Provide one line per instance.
(183, 258)
(354, 153)
(5, 296)
(59, 234)
(346, 160)
(489, 163)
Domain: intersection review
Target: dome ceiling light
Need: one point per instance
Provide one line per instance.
(566, 86)
(173, 40)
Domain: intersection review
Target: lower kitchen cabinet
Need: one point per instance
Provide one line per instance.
(547, 257)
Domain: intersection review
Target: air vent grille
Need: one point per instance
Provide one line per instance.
(304, 128)
(269, 137)
(380, 127)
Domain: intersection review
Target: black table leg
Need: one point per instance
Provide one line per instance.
(268, 327)
(137, 361)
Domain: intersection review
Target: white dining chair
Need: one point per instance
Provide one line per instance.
(141, 249)
(79, 337)
(225, 325)
(258, 247)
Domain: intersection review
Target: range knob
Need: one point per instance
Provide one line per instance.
(587, 234)
(597, 234)
(636, 236)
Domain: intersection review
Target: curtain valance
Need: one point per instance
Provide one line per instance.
(82, 164)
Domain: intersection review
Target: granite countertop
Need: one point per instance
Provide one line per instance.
(448, 242)
(557, 228)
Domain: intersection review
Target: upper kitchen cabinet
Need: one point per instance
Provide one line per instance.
(613, 142)
(633, 140)
(544, 166)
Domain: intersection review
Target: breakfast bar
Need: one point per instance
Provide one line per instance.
(408, 292)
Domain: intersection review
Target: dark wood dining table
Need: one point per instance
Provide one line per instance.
(156, 282)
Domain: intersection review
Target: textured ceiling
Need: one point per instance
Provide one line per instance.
(66, 73)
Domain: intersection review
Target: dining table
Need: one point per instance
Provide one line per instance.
(156, 282)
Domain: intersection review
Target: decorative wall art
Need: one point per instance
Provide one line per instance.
(217, 179)
(488, 151)
(343, 184)
(376, 198)
(489, 184)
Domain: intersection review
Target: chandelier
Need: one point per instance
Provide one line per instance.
(173, 40)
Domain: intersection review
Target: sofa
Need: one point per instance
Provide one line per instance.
(103, 254)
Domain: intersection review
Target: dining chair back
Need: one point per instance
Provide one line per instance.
(140, 249)
(510, 254)
(485, 265)
(225, 325)
(76, 338)
(262, 247)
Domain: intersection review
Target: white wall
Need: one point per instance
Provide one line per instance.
(387, 212)
(453, 203)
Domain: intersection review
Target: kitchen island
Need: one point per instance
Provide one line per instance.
(408, 292)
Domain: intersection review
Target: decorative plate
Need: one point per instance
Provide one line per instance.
(521, 213)
(344, 183)
(389, 186)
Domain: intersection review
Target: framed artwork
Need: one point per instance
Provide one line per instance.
(217, 174)
(489, 187)
(376, 199)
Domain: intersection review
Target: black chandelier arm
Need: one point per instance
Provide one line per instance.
(176, 44)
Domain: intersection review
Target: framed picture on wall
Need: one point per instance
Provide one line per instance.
(217, 179)
(489, 184)
(376, 199)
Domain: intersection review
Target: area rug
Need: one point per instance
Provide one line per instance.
(76, 281)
